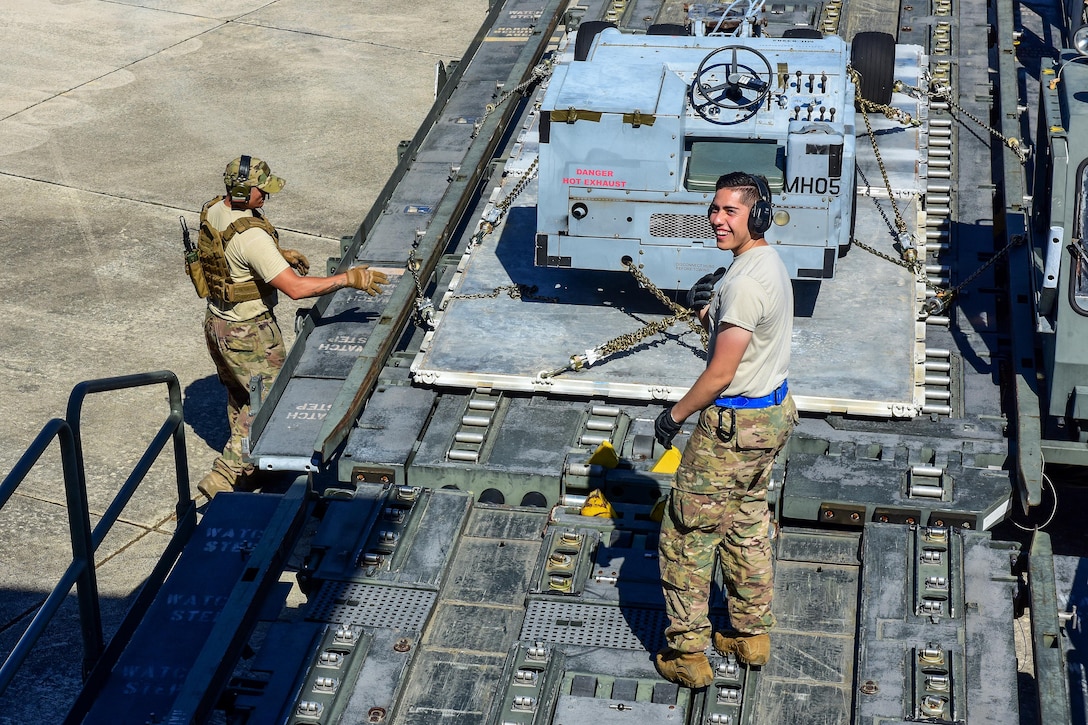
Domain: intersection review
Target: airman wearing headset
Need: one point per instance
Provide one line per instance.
(717, 506)
(245, 268)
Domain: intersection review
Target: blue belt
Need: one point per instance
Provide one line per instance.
(742, 401)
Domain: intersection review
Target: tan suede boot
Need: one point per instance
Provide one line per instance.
(215, 482)
(751, 649)
(690, 669)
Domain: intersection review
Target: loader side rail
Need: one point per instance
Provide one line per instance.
(351, 245)
(80, 573)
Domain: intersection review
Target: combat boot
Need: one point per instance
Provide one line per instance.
(690, 669)
(751, 649)
(215, 482)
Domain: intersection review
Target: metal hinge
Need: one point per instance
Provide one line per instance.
(572, 114)
(638, 118)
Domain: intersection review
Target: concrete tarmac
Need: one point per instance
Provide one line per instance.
(116, 118)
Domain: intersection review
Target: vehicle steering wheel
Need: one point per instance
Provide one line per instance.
(742, 89)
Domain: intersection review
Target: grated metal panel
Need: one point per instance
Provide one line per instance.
(679, 226)
(593, 625)
(368, 605)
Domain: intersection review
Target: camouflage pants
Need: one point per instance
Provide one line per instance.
(718, 507)
(241, 350)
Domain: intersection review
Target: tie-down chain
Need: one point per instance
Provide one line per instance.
(909, 256)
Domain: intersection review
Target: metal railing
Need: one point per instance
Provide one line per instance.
(81, 572)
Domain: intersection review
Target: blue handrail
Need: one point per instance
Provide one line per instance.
(81, 573)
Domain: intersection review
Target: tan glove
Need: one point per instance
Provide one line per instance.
(297, 260)
(365, 279)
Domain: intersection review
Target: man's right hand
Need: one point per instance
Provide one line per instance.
(665, 428)
(700, 293)
(365, 279)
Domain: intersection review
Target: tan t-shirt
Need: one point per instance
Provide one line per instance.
(756, 294)
(251, 254)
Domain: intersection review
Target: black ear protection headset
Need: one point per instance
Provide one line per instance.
(239, 188)
(759, 219)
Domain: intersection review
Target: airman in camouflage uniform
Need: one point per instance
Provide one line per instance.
(244, 268)
(718, 503)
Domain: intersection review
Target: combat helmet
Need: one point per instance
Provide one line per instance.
(245, 172)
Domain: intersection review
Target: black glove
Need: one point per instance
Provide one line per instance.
(700, 293)
(665, 428)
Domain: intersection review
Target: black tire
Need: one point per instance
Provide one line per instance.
(806, 33)
(872, 54)
(587, 31)
(667, 29)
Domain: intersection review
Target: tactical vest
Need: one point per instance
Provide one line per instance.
(210, 247)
